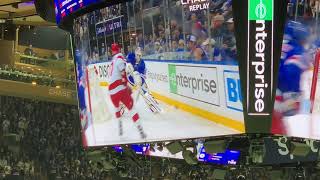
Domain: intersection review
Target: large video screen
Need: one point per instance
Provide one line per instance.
(157, 70)
(229, 157)
(296, 111)
(64, 8)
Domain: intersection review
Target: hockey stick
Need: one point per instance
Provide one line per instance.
(152, 103)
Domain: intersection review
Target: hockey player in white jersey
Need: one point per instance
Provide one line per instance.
(120, 92)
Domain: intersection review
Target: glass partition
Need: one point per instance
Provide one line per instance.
(164, 29)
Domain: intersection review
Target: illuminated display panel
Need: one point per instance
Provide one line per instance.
(64, 8)
(184, 81)
(229, 157)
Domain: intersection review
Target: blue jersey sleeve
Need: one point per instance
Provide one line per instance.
(292, 78)
(141, 67)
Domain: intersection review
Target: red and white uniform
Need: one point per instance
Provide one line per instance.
(118, 66)
(118, 89)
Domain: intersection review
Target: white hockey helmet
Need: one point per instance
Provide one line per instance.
(138, 51)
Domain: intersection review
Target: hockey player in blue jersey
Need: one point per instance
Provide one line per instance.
(136, 70)
(294, 62)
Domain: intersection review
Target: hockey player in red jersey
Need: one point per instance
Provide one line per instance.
(119, 91)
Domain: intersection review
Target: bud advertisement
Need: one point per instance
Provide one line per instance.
(259, 31)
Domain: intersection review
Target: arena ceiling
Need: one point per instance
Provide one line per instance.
(21, 12)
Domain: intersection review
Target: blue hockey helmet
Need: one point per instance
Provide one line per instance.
(297, 31)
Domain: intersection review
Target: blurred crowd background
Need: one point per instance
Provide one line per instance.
(168, 30)
(42, 139)
(29, 75)
(163, 29)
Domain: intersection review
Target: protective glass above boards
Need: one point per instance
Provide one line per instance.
(64, 8)
(157, 70)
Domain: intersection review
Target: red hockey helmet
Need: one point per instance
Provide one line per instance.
(115, 48)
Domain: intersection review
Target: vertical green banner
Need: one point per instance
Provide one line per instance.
(173, 79)
(259, 26)
(261, 10)
(260, 58)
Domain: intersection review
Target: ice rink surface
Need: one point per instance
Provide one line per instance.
(170, 124)
(303, 125)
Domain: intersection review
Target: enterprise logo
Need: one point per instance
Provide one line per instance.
(259, 56)
(261, 10)
(259, 66)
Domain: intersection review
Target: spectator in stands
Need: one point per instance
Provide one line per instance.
(208, 48)
(5, 125)
(196, 51)
(227, 9)
(229, 49)
(218, 28)
(158, 48)
(176, 35)
(198, 28)
(229, 36)
(173, 25)
(230, 27)
(14, 74)
(174, 46)
(181, 46)
(28, 52)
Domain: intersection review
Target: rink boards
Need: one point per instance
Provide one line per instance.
(210, 91)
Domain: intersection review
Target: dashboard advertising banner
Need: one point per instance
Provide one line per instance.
(259, 28)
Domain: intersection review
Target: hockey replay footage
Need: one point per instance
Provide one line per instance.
(165, 75)
(296, 111)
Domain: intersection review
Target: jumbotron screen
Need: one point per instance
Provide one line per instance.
(157, 70)
(297, 106)
(64, 8)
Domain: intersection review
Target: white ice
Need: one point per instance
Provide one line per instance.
(170, 124)
(303, 125)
